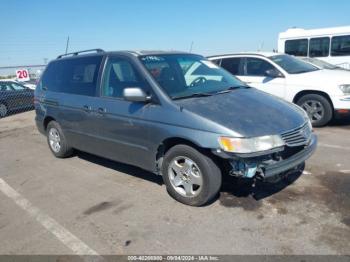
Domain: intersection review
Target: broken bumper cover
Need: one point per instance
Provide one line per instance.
(291, 162)
(263, 165)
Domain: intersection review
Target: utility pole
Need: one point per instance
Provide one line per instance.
(191, 47)
(67, 44)
(261, 46)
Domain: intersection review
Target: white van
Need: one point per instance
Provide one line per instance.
(323, 94)
(329, 44)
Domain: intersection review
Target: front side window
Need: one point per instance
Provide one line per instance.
(296, 47)
(232, 65)
(340, 45)
(119, 74)
(293, 65)
(73, 76)
(187, 75)
(257, 67)
(319, 47)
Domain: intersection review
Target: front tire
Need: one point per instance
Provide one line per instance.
(57, 141)
(318, 108)
(190, 176)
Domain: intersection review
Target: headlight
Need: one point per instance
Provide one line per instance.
(345, 89)
(250, 145)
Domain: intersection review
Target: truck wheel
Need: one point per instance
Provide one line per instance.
(3, 110)
(57, 141)
(318, 108)
(191, 177)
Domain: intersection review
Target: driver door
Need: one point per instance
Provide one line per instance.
(119, 124)
(255, 76)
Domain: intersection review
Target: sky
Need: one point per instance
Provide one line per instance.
(34, 31)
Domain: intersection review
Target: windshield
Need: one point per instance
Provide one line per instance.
(187, 75)
(320, 63)
(293, 65)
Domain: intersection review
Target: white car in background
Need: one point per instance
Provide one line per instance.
(323, 94)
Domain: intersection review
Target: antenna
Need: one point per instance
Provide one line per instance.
(67, 44)
(191, 47)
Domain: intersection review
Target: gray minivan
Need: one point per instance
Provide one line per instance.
(172, 113)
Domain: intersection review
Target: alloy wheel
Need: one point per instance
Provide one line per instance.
(314, 109)
(54, 140)
(185, 176)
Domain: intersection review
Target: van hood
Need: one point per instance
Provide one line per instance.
(320, 78)
(248, 112)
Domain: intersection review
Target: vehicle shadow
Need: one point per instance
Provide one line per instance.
(120, 167)
(232, 192)
(343, 122)
(240, 192)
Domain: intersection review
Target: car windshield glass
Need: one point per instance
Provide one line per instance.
(293, 65)
(187, 75)
(18, 87)
(319, 63)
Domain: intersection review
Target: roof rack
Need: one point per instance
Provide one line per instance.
(97, 50)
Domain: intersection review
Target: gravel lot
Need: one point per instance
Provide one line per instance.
(61, 206)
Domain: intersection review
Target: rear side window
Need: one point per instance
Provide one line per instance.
(232, 65)
(319, 47)
(257, 67)
(73, 76)
(296, 47)
(341, 45)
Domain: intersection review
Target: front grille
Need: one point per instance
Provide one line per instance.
(298, 136)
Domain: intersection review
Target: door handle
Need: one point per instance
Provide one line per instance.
(49, 102)
(87, 108)
(101, 110)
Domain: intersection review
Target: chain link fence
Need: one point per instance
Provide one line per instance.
(17, 85)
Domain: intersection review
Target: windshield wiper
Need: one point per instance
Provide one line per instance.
(232, 88)
(192, 95)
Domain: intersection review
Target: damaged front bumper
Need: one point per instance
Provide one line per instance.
(270, 164)
(292, 161)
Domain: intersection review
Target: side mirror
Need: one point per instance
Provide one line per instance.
(273, 73)
(135, 94)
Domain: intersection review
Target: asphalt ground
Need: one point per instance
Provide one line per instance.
(89, 205)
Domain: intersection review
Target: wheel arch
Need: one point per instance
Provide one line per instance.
(47, 120)
(170, 142)
(3, 102)
(317, 92)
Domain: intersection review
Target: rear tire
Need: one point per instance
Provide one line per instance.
(318, 108)
(3, 110)
(190, 176)
(57, 141)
